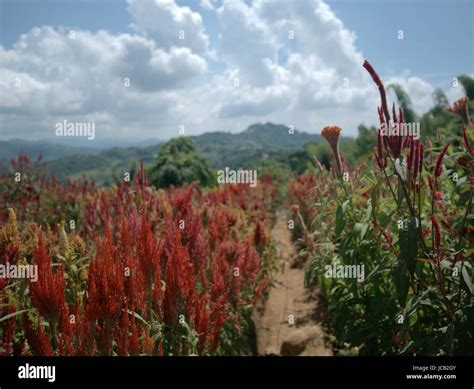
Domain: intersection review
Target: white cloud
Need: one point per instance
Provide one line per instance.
(454, 93)
(246, 42)
(163, 20)
(84, 78)
(153, 69)
(312, 72)
(207, 4)
(255, 73)
(420, 91)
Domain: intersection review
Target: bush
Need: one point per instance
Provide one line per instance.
(179, 163)
(407, 219)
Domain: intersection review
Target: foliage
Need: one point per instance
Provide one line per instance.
(141, 271)
(235, 150)
(179, 164)
(407, 218)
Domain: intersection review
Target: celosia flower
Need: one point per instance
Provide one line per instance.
(259, 236)
(47, 293)
(201, 319)
(149, 252)
(439, 161)
(295, 208)
(379, 83)
(420, 158)
(380, 157)
(105, 294)
(37, 340)
(331, 134)
(460, 108)
(396, 142)
(8, 333)
(437, 232)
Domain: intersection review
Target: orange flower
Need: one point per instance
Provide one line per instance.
(295, 208)
(331, 134)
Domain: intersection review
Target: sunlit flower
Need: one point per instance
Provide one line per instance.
(331, 134)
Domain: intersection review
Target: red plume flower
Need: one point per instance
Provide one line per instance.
(437, 232)
(460, 108)
(47, 293)
(331, 134)
(439, 161)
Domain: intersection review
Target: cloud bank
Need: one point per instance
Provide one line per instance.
(287, 62)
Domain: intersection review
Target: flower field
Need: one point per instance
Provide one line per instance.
(387, 245)
(131, 270)
(405, 216)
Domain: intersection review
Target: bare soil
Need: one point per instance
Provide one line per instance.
(286, 323)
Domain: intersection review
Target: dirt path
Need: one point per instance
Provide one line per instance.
(286, 324)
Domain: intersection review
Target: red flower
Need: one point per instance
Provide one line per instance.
(149, 253)
(259, 236)
(105, 294)
(38, 341)
(437, 232)
(379, 155)
(331, 134)
(47, 293)
(438, 196)
(460, 108)
(439, 161)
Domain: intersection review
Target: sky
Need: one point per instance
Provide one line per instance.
(142, 69)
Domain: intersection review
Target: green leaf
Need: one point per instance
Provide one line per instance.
(467, 279)
(450, 338)
(402, 281)
(10, 315)
(406, 347)
(406, 260)
(363, 231)
(340, 222)
(137, 316)
(408, 244)
(374, 198)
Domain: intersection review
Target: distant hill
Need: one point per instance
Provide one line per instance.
(241, 149)
(11, 148)
(220, 148)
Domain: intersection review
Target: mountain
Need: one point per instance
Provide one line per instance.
(49, 151)
(222, 149)
(251, 145)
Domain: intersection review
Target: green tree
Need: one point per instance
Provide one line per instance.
(404, 102)
(299, 161)
(468, 84)
(440, 99)
(179, 163)
(366, 140)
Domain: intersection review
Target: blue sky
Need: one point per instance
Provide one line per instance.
(438, 35)
(192, 82)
